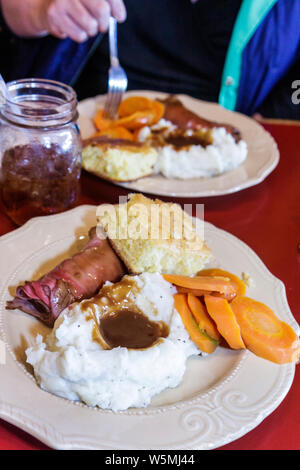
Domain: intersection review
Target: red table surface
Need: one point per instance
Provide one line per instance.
(267, 218)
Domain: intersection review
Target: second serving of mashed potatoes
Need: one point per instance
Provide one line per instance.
(220, 154)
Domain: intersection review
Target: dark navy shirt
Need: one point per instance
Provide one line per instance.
(174, 46)
(169, 45)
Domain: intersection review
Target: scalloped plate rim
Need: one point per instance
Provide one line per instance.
(217, 109)
(34, 428)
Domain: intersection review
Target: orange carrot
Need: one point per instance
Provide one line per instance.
(100, 122)
(206, 283)
(263, 333)
(133, 104)
(159, 110)
(220, 311)
(136, 134)
(199, 337)
(116, 133)
(239, 285)
(132, 122)
(137, 120)
(195, 292)
(201, 316)
(200, 293)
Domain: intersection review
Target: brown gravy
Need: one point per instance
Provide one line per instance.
(181, 141)
(131, 330)
(122, 323)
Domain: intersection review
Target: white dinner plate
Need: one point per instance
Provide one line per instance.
(221, 398)
(263, 154)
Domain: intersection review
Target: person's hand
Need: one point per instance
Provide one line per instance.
(79, 19)
(76, 19)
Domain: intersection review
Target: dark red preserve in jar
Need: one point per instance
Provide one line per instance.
(40, 149)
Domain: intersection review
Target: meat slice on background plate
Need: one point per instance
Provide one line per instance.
(184, 118)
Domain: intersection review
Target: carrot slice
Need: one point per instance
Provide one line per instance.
(133, 104)
(221, 312)
(132, 122)
(206, 283)
(239, 285)
(199, 337)
(263, 333)
(137, 120)
(116, 133)
(159, 110)
(101, 122)
(201, 316)
(201, 293)
(195, 292)
(136, 134)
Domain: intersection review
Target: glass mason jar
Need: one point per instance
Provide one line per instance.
(40, 145)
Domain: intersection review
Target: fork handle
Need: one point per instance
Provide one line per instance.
(113, 44)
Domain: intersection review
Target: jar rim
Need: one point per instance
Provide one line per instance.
(38, 102)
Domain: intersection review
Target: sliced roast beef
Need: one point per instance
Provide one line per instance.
(184, 118)
(76, 278)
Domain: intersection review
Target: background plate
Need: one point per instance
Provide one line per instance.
(263, 154)
(221, 398)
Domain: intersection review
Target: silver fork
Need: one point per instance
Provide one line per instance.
(117, 78)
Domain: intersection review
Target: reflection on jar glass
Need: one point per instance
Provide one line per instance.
(40, 149)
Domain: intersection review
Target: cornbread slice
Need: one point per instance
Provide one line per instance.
(154, 236)
(117, 159)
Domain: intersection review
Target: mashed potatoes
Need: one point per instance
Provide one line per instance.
(222, 154)
(70, 362)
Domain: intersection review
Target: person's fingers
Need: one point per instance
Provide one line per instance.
(118, 9)
(100, 10)
(63, 26)
(82, 18)
(78, 19)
